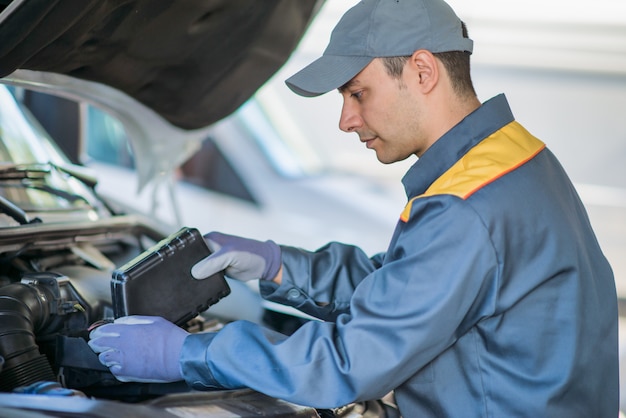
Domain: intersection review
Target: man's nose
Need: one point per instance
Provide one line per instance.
(350, 119)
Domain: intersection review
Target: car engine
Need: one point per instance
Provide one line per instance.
(55, 285)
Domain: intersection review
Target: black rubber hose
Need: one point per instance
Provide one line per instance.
(24, 309)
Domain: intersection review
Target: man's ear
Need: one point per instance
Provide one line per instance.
(424, 70)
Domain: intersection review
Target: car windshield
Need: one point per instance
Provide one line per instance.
(31, 168)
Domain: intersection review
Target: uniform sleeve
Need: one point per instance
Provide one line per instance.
(435, 282)
(321, 283)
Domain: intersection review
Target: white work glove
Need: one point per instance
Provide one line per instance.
(242, 259)
(140, 348)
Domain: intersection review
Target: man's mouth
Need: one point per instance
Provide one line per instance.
(369, 142)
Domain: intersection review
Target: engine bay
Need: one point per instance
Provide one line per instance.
(55, 286)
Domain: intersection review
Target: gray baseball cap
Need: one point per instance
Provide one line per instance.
(380, 28)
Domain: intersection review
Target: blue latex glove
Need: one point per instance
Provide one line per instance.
(242, 259)
(140, 348)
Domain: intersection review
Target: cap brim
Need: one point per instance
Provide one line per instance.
(327, 73)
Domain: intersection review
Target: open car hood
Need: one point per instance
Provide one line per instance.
(191, 61)
(167, 69)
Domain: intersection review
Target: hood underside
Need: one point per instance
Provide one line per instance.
(191, 61)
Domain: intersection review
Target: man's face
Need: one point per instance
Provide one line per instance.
(384, 112)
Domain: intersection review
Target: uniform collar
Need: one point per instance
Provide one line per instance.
(447, 150)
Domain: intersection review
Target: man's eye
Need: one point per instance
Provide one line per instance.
(357, 95)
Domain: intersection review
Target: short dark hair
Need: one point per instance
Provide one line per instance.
(456, 63)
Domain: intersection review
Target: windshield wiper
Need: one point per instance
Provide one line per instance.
(36, 171)
(20, 172)
(9, 208)
(30, 175)
(80, 173)
(24, 171)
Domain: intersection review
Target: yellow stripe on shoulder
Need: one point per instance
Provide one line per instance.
(495, 156)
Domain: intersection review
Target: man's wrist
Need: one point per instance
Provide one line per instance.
(278, 279)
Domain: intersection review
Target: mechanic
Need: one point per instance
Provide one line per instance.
(493, 298)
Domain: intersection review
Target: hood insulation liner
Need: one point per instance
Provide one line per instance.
(192, 61)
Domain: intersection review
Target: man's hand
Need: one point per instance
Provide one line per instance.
(140, 348)
(241, 258)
